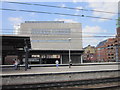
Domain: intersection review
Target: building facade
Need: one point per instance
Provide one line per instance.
(118, 40)
(107, 50)
(50, 38)
(112, 52)
(118, 32)
(89, 54)
(101, 51)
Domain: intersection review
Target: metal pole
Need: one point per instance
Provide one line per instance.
(69, 53)
(26, 59)
(69, 59)
(60, 59)
(26, 55)
(99, 56)
(116, 53)
(81, 59)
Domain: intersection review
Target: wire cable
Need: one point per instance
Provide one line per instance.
(56, 13)
(62, 7)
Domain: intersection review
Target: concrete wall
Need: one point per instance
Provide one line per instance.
(57, 77)
(53, 35)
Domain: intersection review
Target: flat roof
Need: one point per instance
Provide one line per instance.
(18, 41)
(44, 21)
(12, 35)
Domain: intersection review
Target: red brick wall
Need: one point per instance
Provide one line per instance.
(118, 37)
(107, 52)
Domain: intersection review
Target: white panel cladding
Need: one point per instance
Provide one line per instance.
(53, 36)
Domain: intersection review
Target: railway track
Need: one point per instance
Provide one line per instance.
(106, 83)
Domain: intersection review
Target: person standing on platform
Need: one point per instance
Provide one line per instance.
(16, 64)
(57, 63)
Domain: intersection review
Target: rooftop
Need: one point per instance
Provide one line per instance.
(101, 43)
(44, 21)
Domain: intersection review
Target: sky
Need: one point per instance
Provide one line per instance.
(90, 26)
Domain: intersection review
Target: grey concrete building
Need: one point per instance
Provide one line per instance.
(51, 40)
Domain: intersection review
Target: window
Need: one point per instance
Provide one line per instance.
(50, 56)
(115, 40)
(51, 31)
(112, 54)
(35, 55)
(112, 57)
(112, 48)
(52, 40)
(108, 54)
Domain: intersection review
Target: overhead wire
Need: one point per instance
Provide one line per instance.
(63, 7)
(55, 13)
(64, 14)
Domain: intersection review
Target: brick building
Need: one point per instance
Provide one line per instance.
(118, 32)
(107, 50)
(89, 54)
(112, 49)
(101, 51)
(118, 40)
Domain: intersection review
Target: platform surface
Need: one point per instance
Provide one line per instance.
(60, 69)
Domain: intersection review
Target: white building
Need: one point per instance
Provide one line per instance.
(51, 40)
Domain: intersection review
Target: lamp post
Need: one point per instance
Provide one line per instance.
(117, 53)
(26, 58)
(26, 54)
(99, 55)
(69, 39)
